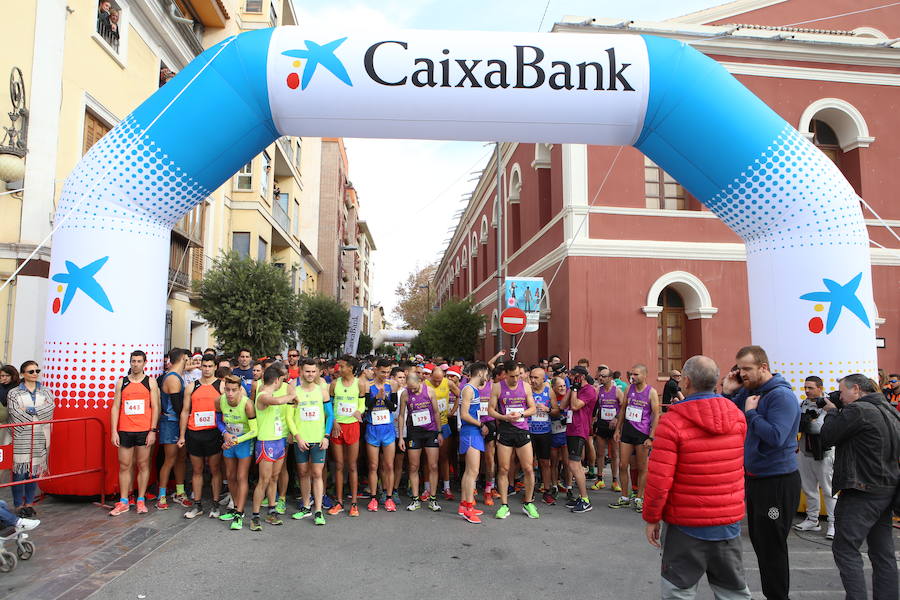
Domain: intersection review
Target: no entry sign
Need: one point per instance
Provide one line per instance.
(512, 320)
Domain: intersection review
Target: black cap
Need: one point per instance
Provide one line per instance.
(578, 370)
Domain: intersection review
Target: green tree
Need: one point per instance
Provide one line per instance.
(386, 350)
(365, 344)
(323, 325)
(451, 332)
(414, 297)
(249, 304)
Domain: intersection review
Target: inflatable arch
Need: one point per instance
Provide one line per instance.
(807, 246)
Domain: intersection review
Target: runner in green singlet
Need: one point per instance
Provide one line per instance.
(239, 420)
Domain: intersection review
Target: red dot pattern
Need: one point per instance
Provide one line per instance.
(83, 374)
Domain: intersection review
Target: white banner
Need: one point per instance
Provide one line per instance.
(354, 329)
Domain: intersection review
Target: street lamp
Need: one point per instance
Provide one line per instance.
(13, 145)
(427, 287)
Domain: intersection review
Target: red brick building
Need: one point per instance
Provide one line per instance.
(645, 272)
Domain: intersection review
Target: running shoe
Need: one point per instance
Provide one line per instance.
(193, 511)
(531, 510)
(591, 474)
(414, 505)
(549, 499)
(141, 507)
(130, 500)
(632, 494)
(229, 516)
(320, 518)
(554, 491)
(494, 493)
(830, 534)
(254, 524)
(582, 506)
(616, 487)
(447, 494)
(183, 500)
(463, 509)
(622, 502)
(265, 501)
(119, 508)
(302, 513)
(433, 505)
(638, 505)
(395, 497)
(470, 516)
(808, 525)
(599, 485)
(354, 510)
(327, 502)
(214, 511)
(488, 499)
(390, 505)
(502, 512)
(273, 519)
(572, 503)
(162, 504)
(226, 500)
(519, 486)
(373, 505)
(238, 522)
(337, 508)
(281, 506)
(382, 496)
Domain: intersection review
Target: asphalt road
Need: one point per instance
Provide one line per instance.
(600, 554)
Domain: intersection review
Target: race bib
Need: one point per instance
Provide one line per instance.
(570, 416)
(634, 413)
(557, 427)
(381, 417)
(607, 413)
(483, 408)
(134, 407)
(346, 409)
(310, 413)
(442, 405)
(235, 428)
(540, 417)
(278, 427)
(421, 418)
(204, 418)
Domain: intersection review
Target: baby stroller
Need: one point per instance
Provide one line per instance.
(24, 548)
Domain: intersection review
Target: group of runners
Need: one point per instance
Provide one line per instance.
(500, 427)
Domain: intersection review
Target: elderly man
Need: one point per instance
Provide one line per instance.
(695, 484)
(866, 433)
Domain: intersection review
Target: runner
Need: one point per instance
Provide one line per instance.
(471, 441)
(310, 424)
(610, 401)
(381, 401)
(134, 418)
(559, 453)
(236, 420)
(540, 430)
(270, 446)
(634, 433)
(348, 394)
(244, 369)
(510, 404)
(202, 437)
(490, 436)
(293, 365)
(171, 400)
(443, 389)
(419, 410)
(579, 406)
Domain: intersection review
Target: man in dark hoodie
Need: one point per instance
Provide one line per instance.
(770, 463)
(865, 430)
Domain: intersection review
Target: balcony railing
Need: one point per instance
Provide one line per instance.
(178, 278)
(281, 217)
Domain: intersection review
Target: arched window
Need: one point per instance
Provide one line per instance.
(484, 229)
(670, 331)
(465, 258)
(849, 126)
(514, 222)
(495, 212)
(826, 139)
(473, 246)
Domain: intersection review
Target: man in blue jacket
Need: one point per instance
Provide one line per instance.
(770, 463)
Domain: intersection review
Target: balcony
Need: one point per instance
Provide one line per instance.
(279, 211)
(178, 279)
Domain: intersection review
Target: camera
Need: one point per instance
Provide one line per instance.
(820, 402)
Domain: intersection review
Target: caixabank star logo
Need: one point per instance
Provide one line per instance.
(838, 298)
(80, 278)
(316, 55)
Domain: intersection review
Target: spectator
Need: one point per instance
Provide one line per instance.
(892, 391)
(617, 379)
(9, 379)
(695, 483)
(114, 16)
(866, 433)
(8, 519)
(29, 402)
(816, 461)
(103, 12)
(770, 462)
(671, 391)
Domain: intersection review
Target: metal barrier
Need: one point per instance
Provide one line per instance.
(101, 469)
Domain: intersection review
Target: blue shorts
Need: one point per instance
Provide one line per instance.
(558, 440)
(242, 450)
(315, 454)
(470, 438)
(169, 432)
(445, 431)
(272, 450)
(380, 435)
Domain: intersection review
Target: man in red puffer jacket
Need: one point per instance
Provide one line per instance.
(695, 483)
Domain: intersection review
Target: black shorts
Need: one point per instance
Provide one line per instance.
(512, 437)
(421, 438)
(575, 445)
(130, 439)
(603, 430)
(541, 443)
(492, 431)
(454, 425)
(205, 442)
(632, 436)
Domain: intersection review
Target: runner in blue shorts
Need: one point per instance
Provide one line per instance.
(559, 454)
(381, 402)
(471, 440)
(236, 420)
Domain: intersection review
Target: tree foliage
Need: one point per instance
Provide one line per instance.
(413, 299)
(249, 304)
(365, 344)
(450, 332)
(323, 324)
(386, 350)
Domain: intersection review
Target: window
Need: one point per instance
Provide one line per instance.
(296, 218)
(109, 15)
(94, 129)
(253, 6)
(827, 140)
(297, 154)
(273, 14)
(264, 180)
(280, 212)
(670, 331)
(245, 178)
(660, 189)
(262, 250)
(240, 243)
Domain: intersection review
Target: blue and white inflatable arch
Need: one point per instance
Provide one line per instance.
(807, 245)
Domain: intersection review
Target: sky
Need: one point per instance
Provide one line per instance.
(417, 186)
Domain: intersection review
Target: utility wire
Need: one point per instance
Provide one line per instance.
(846, 14)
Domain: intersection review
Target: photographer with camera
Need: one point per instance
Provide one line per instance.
(814, 460)
(866, 432)
(578, 407)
